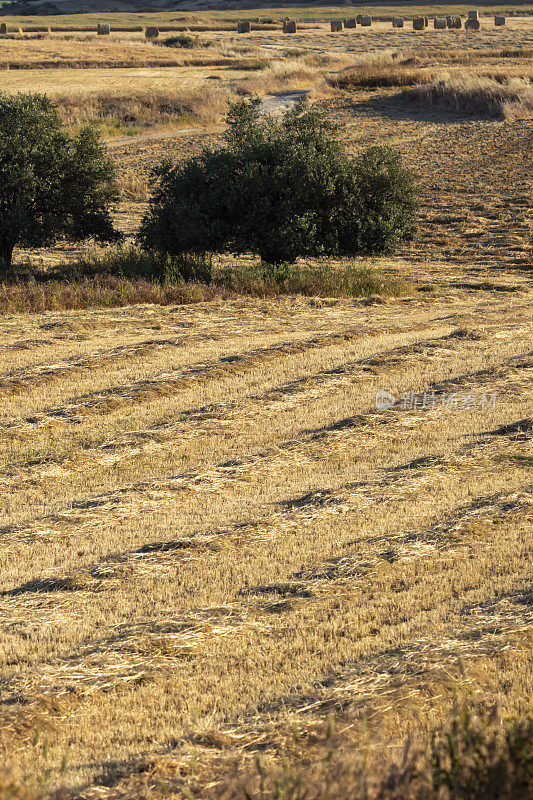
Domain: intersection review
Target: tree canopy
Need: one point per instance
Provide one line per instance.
(281, 189)
(52, 185)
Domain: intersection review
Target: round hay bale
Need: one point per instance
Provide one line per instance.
(3, 28)
(498, 21)
(351, 23)
(366, 20)
(151, 33)
(397, 22)
(103, 29)
(439, 23)
(290, 26)
(358, 18)
(418, 24)
(336, 25)
(472, 24)
(244, 26)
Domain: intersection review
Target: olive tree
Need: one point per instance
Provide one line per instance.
(281, 189)
(52, 185)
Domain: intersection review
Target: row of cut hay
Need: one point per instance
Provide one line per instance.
(510, 99)
(462, 56)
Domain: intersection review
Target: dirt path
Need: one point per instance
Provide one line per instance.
(275, 105)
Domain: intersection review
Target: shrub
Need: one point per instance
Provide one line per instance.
(185, 41)
(281, 189)
(53, 185)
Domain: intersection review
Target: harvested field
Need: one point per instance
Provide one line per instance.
(233, 468)
(247, 528)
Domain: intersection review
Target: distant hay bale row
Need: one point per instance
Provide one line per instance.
(289, 26)
(353, 22)
(454, 22)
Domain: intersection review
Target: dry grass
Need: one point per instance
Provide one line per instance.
(512, 99)
(133, 113)
(475, 752)
(282, 76)
(285, 561)
(123, 277)
(375, 75)
(220, 564)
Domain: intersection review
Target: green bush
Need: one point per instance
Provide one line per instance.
(52, 185)
(281, 189)
(184, 41)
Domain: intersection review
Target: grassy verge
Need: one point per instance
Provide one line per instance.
(374, 75)
(293, 74)
(410, 68)
(477, 756)
(125, 276)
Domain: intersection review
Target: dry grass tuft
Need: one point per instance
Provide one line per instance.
(279, 76)
(373, 75)
(512, 99)
(117, 114)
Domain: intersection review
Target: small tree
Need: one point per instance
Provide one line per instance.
(281, 190)
(52, 185)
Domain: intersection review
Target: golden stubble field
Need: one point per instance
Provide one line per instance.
(212, 542)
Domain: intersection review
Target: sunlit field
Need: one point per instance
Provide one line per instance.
(258, 530)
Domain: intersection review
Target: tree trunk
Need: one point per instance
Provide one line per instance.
(6, 255)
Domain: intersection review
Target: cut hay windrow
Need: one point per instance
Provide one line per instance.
(84, 517)
(28, 378)
(401, 485)
(218, 419)
(149, 389)
(134, 653)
